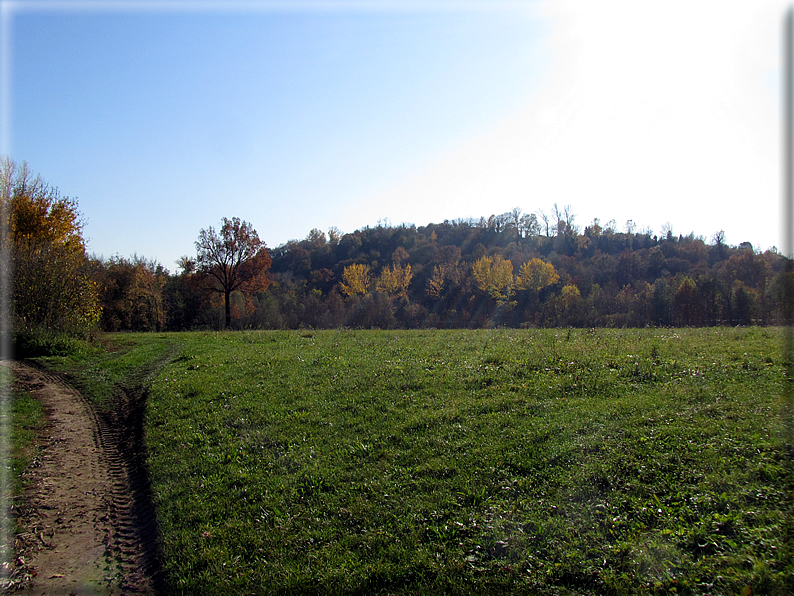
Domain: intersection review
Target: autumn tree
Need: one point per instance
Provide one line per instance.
(355, 279)
(435, 285)
(494, 275)
(570, 305)
(394, 280)
(533, 276)
(44, 255)
(745, 301)
(536, 274)
(131, 293)
(232, 259)
(686, 302)
(185, 298)
(399, 255)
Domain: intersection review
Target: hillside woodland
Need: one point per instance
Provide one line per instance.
(514, 269)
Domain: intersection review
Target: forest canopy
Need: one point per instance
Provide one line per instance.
(513, 269)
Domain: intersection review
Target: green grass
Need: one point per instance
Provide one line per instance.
(122, 363)
(27, 419)
(27, 415)
(37, 342)
(537, 461)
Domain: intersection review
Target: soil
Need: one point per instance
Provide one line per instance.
(85, 521)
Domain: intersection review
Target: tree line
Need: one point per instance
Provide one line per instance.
(520, 270)
(515, 269)
(508, 270)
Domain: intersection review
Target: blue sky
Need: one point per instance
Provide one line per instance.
(164, 117)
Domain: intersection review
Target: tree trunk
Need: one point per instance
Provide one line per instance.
(227, 296)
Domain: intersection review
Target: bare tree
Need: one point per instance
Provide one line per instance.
(515, 217)
(232, 259)
(569, 217)
(546, 222)
(559, 224)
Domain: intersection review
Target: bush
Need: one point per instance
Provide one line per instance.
(33, 343)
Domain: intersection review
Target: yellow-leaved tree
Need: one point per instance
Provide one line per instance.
(570, 297)
(435, 285)
(535, 275)
(494, 275)
(570, 306)
(355, 279)
(395, 280)
(44, 257)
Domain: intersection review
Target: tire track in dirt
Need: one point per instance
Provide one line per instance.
(86, 514)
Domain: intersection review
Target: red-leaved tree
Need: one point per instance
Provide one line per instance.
(234, 258)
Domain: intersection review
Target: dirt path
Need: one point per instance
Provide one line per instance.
(86, 520)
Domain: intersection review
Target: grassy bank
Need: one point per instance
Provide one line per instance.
(549, 462)
(27, 419)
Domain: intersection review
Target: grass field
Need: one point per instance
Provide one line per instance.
(502, 461)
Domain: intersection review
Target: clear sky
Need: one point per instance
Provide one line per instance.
(163, 117)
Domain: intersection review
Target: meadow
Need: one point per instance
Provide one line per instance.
(577, 461)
